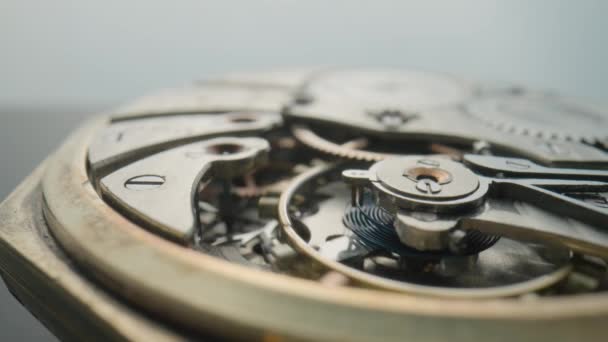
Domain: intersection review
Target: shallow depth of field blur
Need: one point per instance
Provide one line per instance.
(62, 60)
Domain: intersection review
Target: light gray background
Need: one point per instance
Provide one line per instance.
(61, 60)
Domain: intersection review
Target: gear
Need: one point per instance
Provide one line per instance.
(543, 116)
(193, 215)
(350, 150)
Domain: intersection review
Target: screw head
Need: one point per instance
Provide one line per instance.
(391, 118)
(145, 182)
(428, 186)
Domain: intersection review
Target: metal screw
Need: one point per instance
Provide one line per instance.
(145, 182)
(392, 119)
(482, 147)
(427, 185)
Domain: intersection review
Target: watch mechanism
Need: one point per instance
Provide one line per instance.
(340, 204)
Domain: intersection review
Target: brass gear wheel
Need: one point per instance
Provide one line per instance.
(350, 150)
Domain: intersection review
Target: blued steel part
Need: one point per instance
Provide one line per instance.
(542, 115)
(375, 227)
(137, 264)
(46, 282)
(577, 225)
(124, 142)
(210, 97)
(447, 123)
(160, 191)
(307, 179)
(509, 262)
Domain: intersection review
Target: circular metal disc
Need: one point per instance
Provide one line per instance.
(403, 175)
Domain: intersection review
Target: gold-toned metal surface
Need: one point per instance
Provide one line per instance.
(213, 230)
(44, 279)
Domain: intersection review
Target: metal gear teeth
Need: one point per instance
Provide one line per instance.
(511, 128)
(531, 130)
(346, 151)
